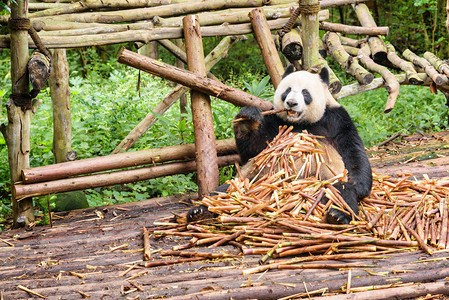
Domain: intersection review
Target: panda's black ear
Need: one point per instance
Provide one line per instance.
(290, 69)
(324, 75)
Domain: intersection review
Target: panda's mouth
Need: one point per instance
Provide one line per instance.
(293, 113)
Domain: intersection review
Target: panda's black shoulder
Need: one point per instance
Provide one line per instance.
(337, 117)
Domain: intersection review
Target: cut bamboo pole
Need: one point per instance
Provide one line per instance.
(21, 191)
(203, 126)
(192, 80)
(17, 131)
(266, 44)
(118, 161)
(211, 59)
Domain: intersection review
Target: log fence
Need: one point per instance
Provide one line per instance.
(61, 25)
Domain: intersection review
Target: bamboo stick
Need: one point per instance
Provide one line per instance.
(146, 244)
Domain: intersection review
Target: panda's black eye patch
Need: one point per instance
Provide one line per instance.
(307, 97)
(285, 94)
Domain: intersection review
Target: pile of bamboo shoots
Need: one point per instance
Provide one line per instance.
(281, 214)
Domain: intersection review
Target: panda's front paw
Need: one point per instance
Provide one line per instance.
(198, 213)
(335, 216)
(250, 113)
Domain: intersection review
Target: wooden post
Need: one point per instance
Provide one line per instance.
(206, 153)
(180, 64)
(60, 96)
(310, 32)
(17, 132)
(266, 44)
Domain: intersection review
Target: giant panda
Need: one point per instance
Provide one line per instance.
(311, 107)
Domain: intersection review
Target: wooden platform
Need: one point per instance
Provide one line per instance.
(87, 252)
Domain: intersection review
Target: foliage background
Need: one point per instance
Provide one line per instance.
(106, 105)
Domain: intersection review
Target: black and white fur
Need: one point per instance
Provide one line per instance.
(312, 108)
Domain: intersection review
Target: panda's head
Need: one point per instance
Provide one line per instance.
(304, 94)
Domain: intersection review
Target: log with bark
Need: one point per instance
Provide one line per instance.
(266, 45)
(203, 125)
(428, 68)
(60, 97)
(21, 191)
(291, 45)
(348, 63)
(193, 81)
(354, 30)
(119, 161)
(211, 59)
(39, 70)
(377, 46)
(440, 65)
(407, 67)
(310, 38)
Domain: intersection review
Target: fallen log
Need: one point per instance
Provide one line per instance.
(118, 161)
(106, 179)
(192, 80)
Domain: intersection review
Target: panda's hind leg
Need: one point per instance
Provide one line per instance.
(201, 212)
(348, 192)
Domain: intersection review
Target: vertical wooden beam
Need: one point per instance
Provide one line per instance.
(206, 153)
(17, 132)
(180, 64)
(266, 44)
(310, 33)
(60, 96)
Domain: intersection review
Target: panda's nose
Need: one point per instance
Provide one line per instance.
(292, 103)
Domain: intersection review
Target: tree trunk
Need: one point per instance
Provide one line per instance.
(203, 126)
(60, 96)
(17, 132)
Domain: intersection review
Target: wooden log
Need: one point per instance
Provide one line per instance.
(118, 161)
(150, 49)
(407, 67)
(203, 125)
(193, 81)
(377, 46)
(355, 30)
(146, 13)
(310, 34)
(266, 44)
(38, 68)
(348, 63)
(124, 35)
(356, 88)
(411, 291)
(428, 68)
(60, 97)
(43, 6)
(17, 131)
(21, 191)
(291, 45)
(440, 65)
(211, 59)
(391, 84)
